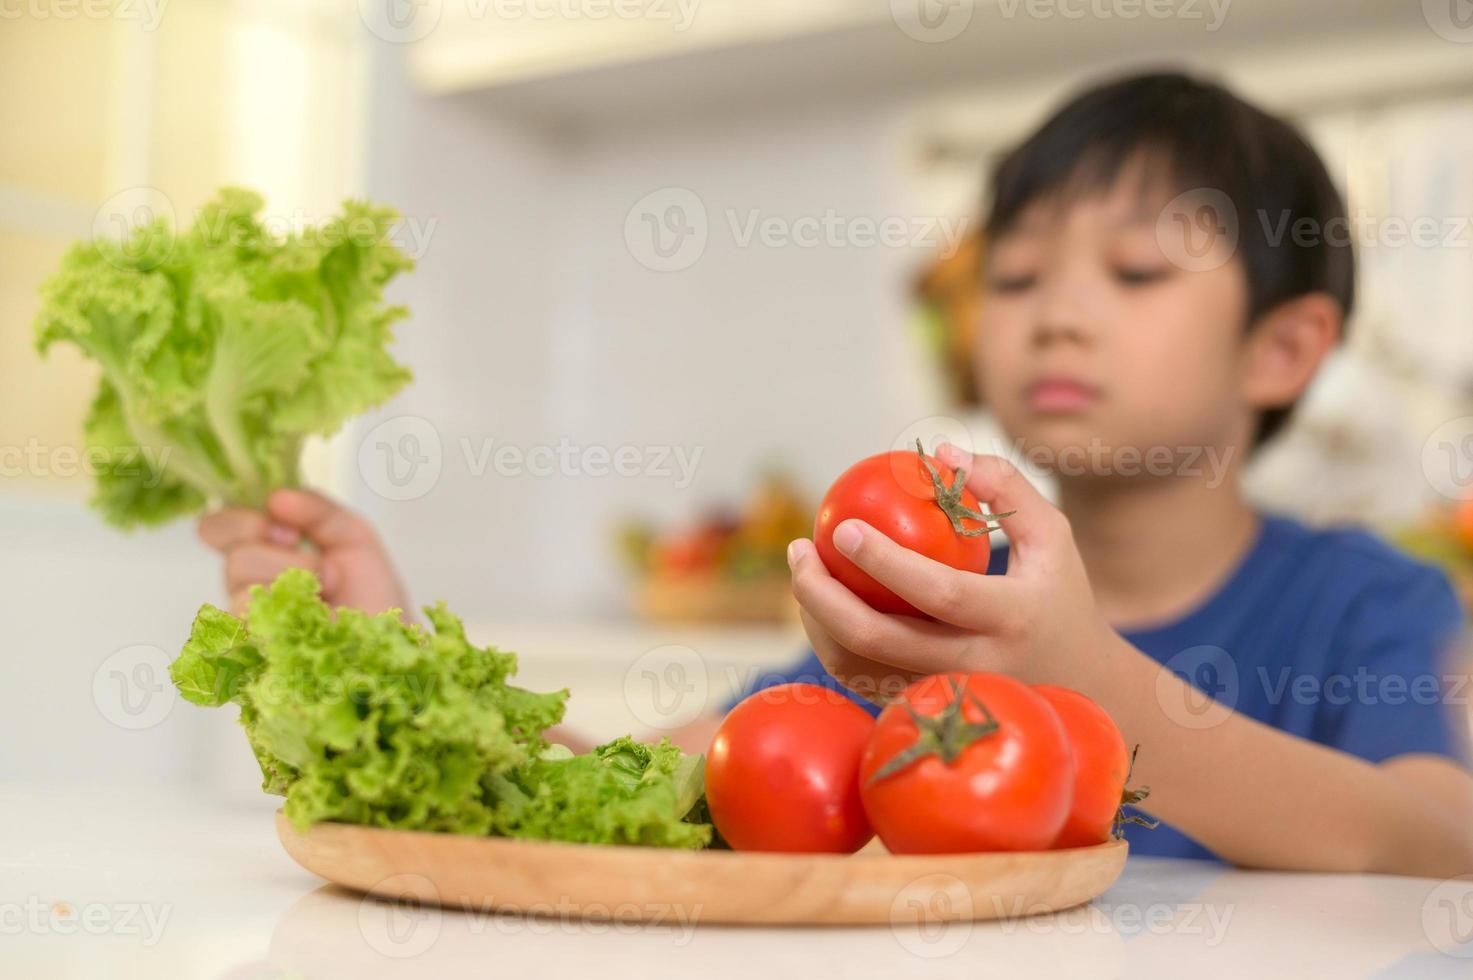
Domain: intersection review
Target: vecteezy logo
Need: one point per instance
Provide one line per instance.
(401, 458)
(667, 687)
(402, 917)
(131, 688)
(1210, 689)
(1451, 20)
(130, 209)
(400, 21)
(666, 230)
(1447, 458)
(1198, 229)
(931, 917)
(932, 21)
(1447, 917)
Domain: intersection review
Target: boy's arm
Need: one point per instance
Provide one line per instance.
(1253, 794)
(1263, 798)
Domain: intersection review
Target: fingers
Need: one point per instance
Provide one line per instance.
(1003, 487)
(231, 527)
(983, 603)
(915, 645)
(260, 546)
(325, 522)
(875, 682)
(259, 564)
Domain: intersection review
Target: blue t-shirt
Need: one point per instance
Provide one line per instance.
(1330, 635)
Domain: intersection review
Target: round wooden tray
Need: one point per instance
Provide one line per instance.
(482, 874)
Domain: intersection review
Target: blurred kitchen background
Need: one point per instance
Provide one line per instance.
(585, 185)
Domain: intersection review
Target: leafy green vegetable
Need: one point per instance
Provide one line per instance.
(222, 348)
(623, 792)
(364, 719)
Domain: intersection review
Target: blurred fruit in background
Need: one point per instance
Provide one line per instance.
(1463, 525)
(728, 566)
(1445, 538)
(948, 296)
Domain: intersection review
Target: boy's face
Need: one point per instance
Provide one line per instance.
(1092, 340)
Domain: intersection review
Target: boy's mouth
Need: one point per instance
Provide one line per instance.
(1060, 394)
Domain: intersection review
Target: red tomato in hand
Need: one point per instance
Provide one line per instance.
(782, 772)
(988, 768)
(897, 494)
(1101, 766)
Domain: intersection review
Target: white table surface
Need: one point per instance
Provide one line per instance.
(163, 885)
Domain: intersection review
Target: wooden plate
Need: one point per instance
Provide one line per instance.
(636, 883)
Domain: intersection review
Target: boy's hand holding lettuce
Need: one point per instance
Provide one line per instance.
(222, 348)
(364, 719)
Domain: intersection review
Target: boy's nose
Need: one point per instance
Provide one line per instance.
(1062, 317)
(1058, 331)
(1061, 326)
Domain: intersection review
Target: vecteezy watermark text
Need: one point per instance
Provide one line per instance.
(1203, 685)
(938, 21)
(1123, 918)
(1201, 229)
(668, 229)
(37, 459)
(407, 21)
(403, 917)
(147, 13)
(1099, 458)
(1212, 12)
(568, 459)
(38, 917)
(402, 458)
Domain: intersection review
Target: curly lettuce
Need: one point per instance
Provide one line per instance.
(623, 792)
(222, 348)
(369, 720)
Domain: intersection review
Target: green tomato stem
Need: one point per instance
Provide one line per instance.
(949, 499)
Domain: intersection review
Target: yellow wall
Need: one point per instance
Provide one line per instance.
(94, 107)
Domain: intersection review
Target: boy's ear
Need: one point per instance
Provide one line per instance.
(1286, 347)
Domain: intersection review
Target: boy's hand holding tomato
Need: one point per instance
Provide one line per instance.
(1038, 623)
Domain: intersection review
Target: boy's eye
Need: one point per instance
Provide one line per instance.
(1000, 282)
(1140, 275)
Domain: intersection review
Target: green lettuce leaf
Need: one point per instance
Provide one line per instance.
(623, 792)
(222, 348)
(364, 719)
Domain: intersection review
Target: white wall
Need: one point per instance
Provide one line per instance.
(534, 323)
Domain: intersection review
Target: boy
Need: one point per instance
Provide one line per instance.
(1330, 744)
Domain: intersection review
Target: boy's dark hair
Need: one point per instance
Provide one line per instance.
(1204, 137)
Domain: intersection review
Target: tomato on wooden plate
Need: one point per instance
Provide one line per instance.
(1101, 767)
(967, 762)
(915, 500)
(782, 772)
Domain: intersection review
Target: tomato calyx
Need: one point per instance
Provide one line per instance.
(949, 499)
(946, 734)
(1131, 798)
